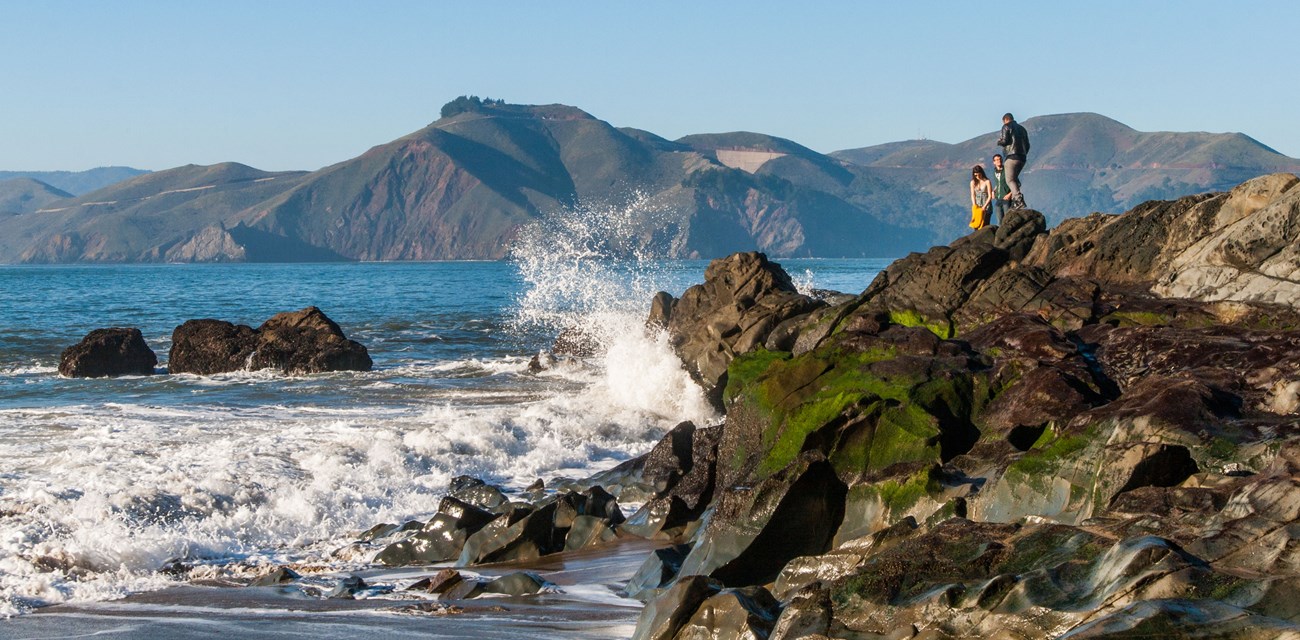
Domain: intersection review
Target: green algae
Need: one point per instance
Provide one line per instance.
(911, 318)
(746, 368)
(1050, 451)
(1137, 319)
(899, 496)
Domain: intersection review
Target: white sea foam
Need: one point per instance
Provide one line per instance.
(33, 368)
(237, 471)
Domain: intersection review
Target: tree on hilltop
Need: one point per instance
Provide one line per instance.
(465, 104)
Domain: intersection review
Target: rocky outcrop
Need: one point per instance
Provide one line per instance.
(297, 342)
(744, 299)
(1014, 436)
(478, 523)
(108, 352)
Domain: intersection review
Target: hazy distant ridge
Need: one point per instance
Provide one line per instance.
(77, 182)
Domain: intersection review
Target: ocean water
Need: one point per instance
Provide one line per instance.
(104, 482)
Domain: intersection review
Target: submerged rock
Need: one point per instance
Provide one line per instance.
(276, 576)
(108, 352)
(519, 583)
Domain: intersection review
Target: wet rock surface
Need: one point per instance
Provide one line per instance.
(1015, 436)
(1090, 432)
(118, 351)
(296, 342)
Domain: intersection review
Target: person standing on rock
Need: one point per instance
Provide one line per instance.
(1001, 192)
(981, 197)
(1014, 141)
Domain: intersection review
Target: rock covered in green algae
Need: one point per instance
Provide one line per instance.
(1031, 443)
(743, 299)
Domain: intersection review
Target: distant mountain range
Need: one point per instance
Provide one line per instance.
(1080, 163)
(76, 182)
(464, 186)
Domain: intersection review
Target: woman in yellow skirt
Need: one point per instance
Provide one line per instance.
(981, 196)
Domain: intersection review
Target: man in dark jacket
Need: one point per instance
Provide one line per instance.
(1014, 140)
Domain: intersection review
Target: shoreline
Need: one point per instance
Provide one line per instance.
(586, 606)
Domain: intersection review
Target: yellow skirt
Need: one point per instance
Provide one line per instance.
(979, 217)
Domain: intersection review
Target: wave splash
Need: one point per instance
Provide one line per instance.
(228, 475)
(591, 271)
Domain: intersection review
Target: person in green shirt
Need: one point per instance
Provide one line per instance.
(1001, 191)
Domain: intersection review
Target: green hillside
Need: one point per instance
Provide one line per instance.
(24, 195)
(140, 219)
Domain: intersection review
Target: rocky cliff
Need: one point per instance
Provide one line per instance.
(1087, 433)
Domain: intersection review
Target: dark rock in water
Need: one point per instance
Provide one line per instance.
(661, 310)
(657, 571)
(576, 342)
(733, 614)
(205, 347)
(297, 342)
(347, 588)
(684, 463)
(463, 590)
(540, 362)
(442, 538)
(478, 493)
(519, 583)
(306, 341)
(537, 486)
(438, 583)
(277, 576)
(531, 536)
(108, 352)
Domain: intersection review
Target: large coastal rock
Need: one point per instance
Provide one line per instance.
(108, 352)
(743, 299)
(1020, 435)
(296, 342)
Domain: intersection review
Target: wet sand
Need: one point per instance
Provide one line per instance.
(588, 608)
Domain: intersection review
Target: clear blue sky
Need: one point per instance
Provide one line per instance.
(289, 84)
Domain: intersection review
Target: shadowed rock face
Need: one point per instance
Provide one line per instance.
(1015, 436)
(743, 299)
(108, 352)
(296, 342)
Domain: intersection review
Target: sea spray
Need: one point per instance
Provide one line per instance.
(108, 481)
(591, 270)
